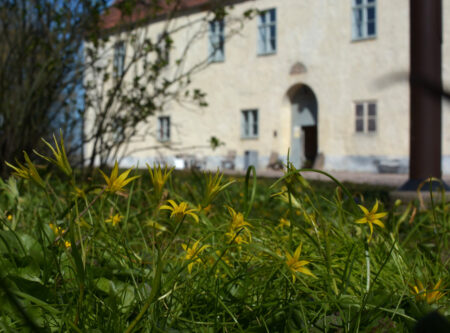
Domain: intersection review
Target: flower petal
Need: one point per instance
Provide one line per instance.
(379, 215)
(364, 209)
(371, 230)
(298, 251)
(173, 203)
(378, 222)
(194, 216)
(115, 171)
(375, 207)
(306, 271)
(361, 220)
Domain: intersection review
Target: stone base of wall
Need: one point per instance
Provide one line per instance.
(373, 164)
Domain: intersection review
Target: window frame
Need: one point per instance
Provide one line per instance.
(267, 37)
(249, 124)
(216, 39)
(363, 8)
(163, 129)
(119, 59)
(365, 117)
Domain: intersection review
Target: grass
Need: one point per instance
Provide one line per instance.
(105, 256)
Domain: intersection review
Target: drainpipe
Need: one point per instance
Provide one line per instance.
(425, 93)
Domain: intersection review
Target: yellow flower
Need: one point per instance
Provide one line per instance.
(237, 221)
(9, 217)
(78, 192)
(179, 211)
(58, 231)
(213, 187)
(205, 210)
(239, 231)
(67, 244)
(114, 219)
(295, 265)
(192, 253)
(60, 159)
(224, 258)
(239, 237)
(283, 223)
(156, 225)
(26, 172)
(159, 177)
(430, 296)
(116, 182)
(371, 217)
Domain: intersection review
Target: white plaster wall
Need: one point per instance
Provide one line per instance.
(340, 71)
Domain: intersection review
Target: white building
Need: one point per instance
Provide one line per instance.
(310, 76)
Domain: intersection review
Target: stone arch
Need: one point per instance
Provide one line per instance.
(304, 125)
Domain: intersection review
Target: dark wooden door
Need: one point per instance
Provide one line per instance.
(310, 142)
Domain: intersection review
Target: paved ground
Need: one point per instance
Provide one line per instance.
(394, 180)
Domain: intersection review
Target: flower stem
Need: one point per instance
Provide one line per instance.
(367, 267)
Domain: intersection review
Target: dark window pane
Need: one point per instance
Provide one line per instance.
(255, 123)
(359, 110)
(371, 28)
(359, 125)
(255, 115)
(371, 13)
(273, 31)
(273, 44)
(168, 128)
(246, 123)
(272, 15)
(358, 2)
(370, 1)
(372, 125)
(372, 109)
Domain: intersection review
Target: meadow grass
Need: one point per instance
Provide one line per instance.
(152, 251)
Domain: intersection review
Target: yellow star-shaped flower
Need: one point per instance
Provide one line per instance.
(295, 265)
(371, 217)
(159, 177)
(116, 182)
(26, 172)
(237, 221)
(114, 220)
(283, 223)
(192, 253)
(424, 294)
(179, 211)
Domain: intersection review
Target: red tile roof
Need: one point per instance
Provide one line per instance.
(145, 9)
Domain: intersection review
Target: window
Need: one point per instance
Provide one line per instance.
(249, 124)
(267, 28)
(163, 50)
(365, 117)
(119, 59)
(216, 41)
(163, 129)
(364, 19)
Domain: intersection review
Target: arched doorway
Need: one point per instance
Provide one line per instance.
(304, 143)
